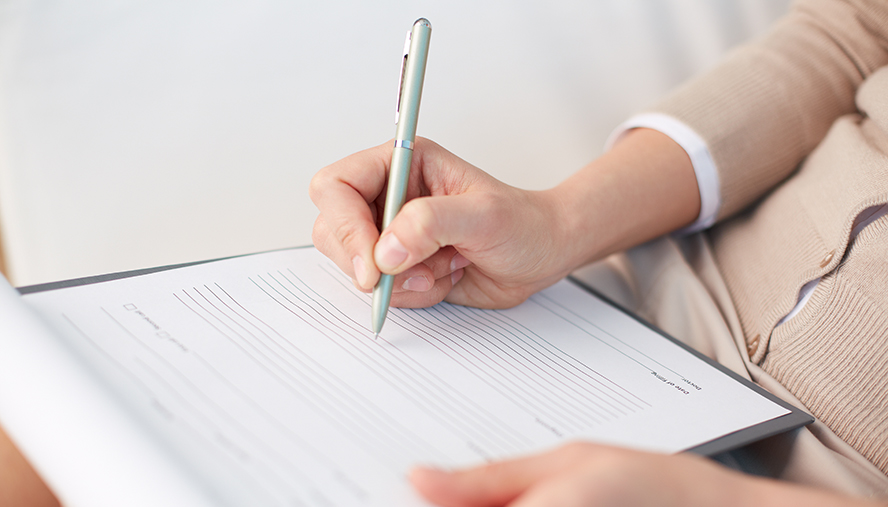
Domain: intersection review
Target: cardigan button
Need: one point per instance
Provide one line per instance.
(827, 259)
(753, 344)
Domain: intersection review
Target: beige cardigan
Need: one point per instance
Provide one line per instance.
(797, 124)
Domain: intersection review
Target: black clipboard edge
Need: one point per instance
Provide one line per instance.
(796, 418)
(88, 280)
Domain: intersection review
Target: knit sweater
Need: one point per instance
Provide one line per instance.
(797, 124)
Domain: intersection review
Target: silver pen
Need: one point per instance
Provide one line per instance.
(416, 51)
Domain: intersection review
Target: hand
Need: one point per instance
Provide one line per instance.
(465, 237)
(589, 475)
(462, 235)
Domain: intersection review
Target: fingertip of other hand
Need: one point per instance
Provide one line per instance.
(426, 474)
(429, 482)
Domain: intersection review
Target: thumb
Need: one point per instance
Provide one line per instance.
(426, 224)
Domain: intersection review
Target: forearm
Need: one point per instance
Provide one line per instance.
(642, 188)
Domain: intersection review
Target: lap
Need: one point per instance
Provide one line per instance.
(20, 485)
(676, 285)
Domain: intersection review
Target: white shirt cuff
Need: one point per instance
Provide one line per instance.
(701, 159)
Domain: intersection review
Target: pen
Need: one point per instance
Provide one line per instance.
(416, 51)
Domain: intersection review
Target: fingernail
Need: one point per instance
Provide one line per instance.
(417, 284)
(360, 269)
(456, 276)
(458, 262)
(390, 253)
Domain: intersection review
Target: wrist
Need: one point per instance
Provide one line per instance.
(582, 212)
(562, 227)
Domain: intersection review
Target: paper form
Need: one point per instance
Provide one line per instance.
(261, 374)
(81, 441)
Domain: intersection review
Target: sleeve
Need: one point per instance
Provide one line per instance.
(765, 107)
(698, 153)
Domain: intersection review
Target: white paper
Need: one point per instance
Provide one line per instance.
(262, 375)
(88, 448)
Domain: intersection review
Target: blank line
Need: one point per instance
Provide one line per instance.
(397, 443)
(428, 332)
(579, 366)
(603, 331)
(551, 367)
(338, 420)
(529, 372)
(445, 393)
(306, 364)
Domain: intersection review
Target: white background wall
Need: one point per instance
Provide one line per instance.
(143, 133)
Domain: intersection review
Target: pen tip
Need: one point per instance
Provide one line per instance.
(375, 335)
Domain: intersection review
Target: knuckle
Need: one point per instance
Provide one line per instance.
(348, 236)
(320, 181)
(325, 242)
(322, 239)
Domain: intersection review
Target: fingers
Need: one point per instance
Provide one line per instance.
(420, 286)
(348, 193)
(422, 276)
(429, 282)
(501, 483)
(345, 193)
(427, 224)
(490, 485)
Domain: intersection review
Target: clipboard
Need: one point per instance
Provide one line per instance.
(789, 418)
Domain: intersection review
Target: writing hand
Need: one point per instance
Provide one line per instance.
(462, 235)
(465, 237)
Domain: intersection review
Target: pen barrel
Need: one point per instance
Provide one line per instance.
(399, 174)
(408, 116)
(382, 295)
(402, 152)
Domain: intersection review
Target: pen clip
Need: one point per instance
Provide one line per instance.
(401, 75)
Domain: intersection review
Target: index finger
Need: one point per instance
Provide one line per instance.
(498, 483)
